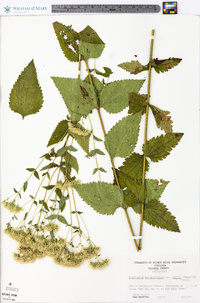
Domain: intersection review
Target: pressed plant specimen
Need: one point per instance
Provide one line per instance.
(54, 205)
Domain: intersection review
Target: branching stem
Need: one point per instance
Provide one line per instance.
(111, 160)
(145, 133)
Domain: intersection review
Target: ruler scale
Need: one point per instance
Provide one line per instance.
(105, 8)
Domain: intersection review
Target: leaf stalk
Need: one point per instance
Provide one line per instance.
(145, 133)
(111, 160)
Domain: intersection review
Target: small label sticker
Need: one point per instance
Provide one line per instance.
(10, 293)
(169, 8)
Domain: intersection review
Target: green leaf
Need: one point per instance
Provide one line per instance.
(120, 141)
(59, 133)
(137, 189)
(49, 187)
(80, 134)
(67, 39)
(90, 45)
(102, 197)
(72, 161)
(163, 121)
(133, 166)
(50, 165)
(101, 169)
(134, 67)
(159, 148)
(62, 219)
(98, 85)
(62, 203)
(94, 152)
(96, 138)
(25, 186)
(30, 169)
(157, 214)
(58, 192)
(137, 103)
(107, 72)
(154, 189)
(79, 96)
(36, 174)
(164, 65)
(71, 148)
(26, 95)
(62, 151)
(114, 97)
(51, 217)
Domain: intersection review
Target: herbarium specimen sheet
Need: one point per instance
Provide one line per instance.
(118, 171)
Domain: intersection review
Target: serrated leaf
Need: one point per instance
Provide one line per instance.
(107, 72)
(62, 219)
(94, 152)
(154, 189)
(163, 121)
(90, 45)
(80, 134)
(134, 67)
(159, 148)
(102, 197)
(114, 97)
(26, 95)
(79, 96)
(98, 85)
(164, 65)
(137, 103)
(133, 166)
(157, 214)
(59, 133)
(130, 184)
(72, 161)
(120, 141)
(67, 39)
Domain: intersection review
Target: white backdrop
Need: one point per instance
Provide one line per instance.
(24, 141)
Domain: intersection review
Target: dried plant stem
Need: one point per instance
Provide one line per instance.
(145, 134)
(111, 160)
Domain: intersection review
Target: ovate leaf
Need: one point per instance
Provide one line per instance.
(103, 197)
(137, 103)
(127, 182)
(154, 189)
(51, 217)
(159, 148)
(79, 96)
(163, 121)
(26, 95)
(72, 161)
(157, 214)
(59, 132)
(114, 97)
(62, 220)
(25, 186)
(67, 39)
(133, 166)
(98, 85)
(134, 67)
(80, 134)
(120, 141)
(164, 65)
(90, 45)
